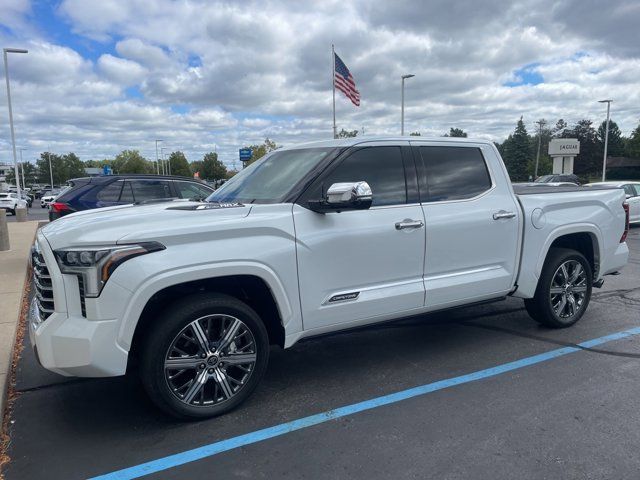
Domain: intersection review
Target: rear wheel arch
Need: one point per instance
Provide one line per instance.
(249, 289)
(585, 242)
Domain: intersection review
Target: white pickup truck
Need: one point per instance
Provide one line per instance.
(310, 239)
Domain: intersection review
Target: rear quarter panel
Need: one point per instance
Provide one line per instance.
(596, 212)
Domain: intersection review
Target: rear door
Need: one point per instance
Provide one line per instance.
(364, 265)
(472, 224)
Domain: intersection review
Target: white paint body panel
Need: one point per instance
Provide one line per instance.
(460, 256)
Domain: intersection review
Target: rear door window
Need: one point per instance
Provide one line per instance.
(144, 190)
(110, 193)
(452, 173)
(127, 193)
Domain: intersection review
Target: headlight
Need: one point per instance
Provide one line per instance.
(94, 266)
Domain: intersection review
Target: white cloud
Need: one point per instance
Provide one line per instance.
(121, 71)
(229, 74)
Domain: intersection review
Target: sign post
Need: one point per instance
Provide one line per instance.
(245, 156)
(563, 151)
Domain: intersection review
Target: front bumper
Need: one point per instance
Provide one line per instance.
(73, 346)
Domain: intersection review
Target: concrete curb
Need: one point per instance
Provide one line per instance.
(13, 281)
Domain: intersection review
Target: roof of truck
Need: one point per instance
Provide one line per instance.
(349, 142)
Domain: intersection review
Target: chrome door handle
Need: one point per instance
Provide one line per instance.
(503, 214)
(409, 224)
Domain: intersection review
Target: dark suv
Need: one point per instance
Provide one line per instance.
(109, 190)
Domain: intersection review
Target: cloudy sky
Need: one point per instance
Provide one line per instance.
(105, 75)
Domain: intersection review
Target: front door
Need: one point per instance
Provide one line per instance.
(366, 265)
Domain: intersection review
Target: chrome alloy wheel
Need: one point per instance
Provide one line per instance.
(210, 360)
(568, 289)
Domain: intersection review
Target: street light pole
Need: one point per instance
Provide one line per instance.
(164, 161)
(606, 139)
(540, 123)
(404, 77)
(24, 185)
(157, 160)
(5, 51)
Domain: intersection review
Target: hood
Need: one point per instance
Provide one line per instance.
(133, 223)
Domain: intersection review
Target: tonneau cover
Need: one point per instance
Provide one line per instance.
(528, 189)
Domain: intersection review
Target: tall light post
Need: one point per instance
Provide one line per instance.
(157, 160)
(164, 162)
(24, 185)
(5, 51)
(404, 77)
(606, 139)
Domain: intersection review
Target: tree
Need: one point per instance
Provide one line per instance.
(615, 145)
(212, 168)
(259, 151)
(415, 134)
(196, 167)
(346, 134)
(179, 164)
(633, 144)
(57, 167)
(559, 130)
(456, 132)
(588, 162)
(130, 161)
(73, 166)
(516, 153)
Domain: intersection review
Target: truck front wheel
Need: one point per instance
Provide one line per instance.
(204, 356)
(563, 291)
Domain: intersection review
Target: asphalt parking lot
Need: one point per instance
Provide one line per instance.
(35, 213)
(559, 411)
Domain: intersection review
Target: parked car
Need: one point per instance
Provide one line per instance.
(632, 192)
(558, 178)
(47, 197)
(110, 190)
(9, 201)
(309, 240)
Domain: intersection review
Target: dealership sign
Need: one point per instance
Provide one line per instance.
(566, 147)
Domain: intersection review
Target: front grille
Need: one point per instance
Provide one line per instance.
(83, 305)
(43, 285)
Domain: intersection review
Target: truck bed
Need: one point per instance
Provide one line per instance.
(528, 189)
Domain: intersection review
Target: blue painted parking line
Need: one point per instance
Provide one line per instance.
(215, 448)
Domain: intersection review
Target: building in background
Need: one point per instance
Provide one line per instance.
(623, 168)
(5, 168)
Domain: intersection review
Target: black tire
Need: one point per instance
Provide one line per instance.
(174, 321)
(12, 212)
(541, 308)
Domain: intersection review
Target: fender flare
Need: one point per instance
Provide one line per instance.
(563, 230)
(162, 280)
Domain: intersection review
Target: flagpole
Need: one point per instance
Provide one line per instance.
(333, 83)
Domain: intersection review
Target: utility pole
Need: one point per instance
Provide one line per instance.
(541, 123)
(606, 139)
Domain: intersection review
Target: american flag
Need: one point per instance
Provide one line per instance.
(344, 82)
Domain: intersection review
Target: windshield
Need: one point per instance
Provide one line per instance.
(269, 179)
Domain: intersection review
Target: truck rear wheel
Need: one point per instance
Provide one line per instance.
(204, 356)
(563, 291)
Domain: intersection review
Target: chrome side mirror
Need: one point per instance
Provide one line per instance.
(345, 196)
